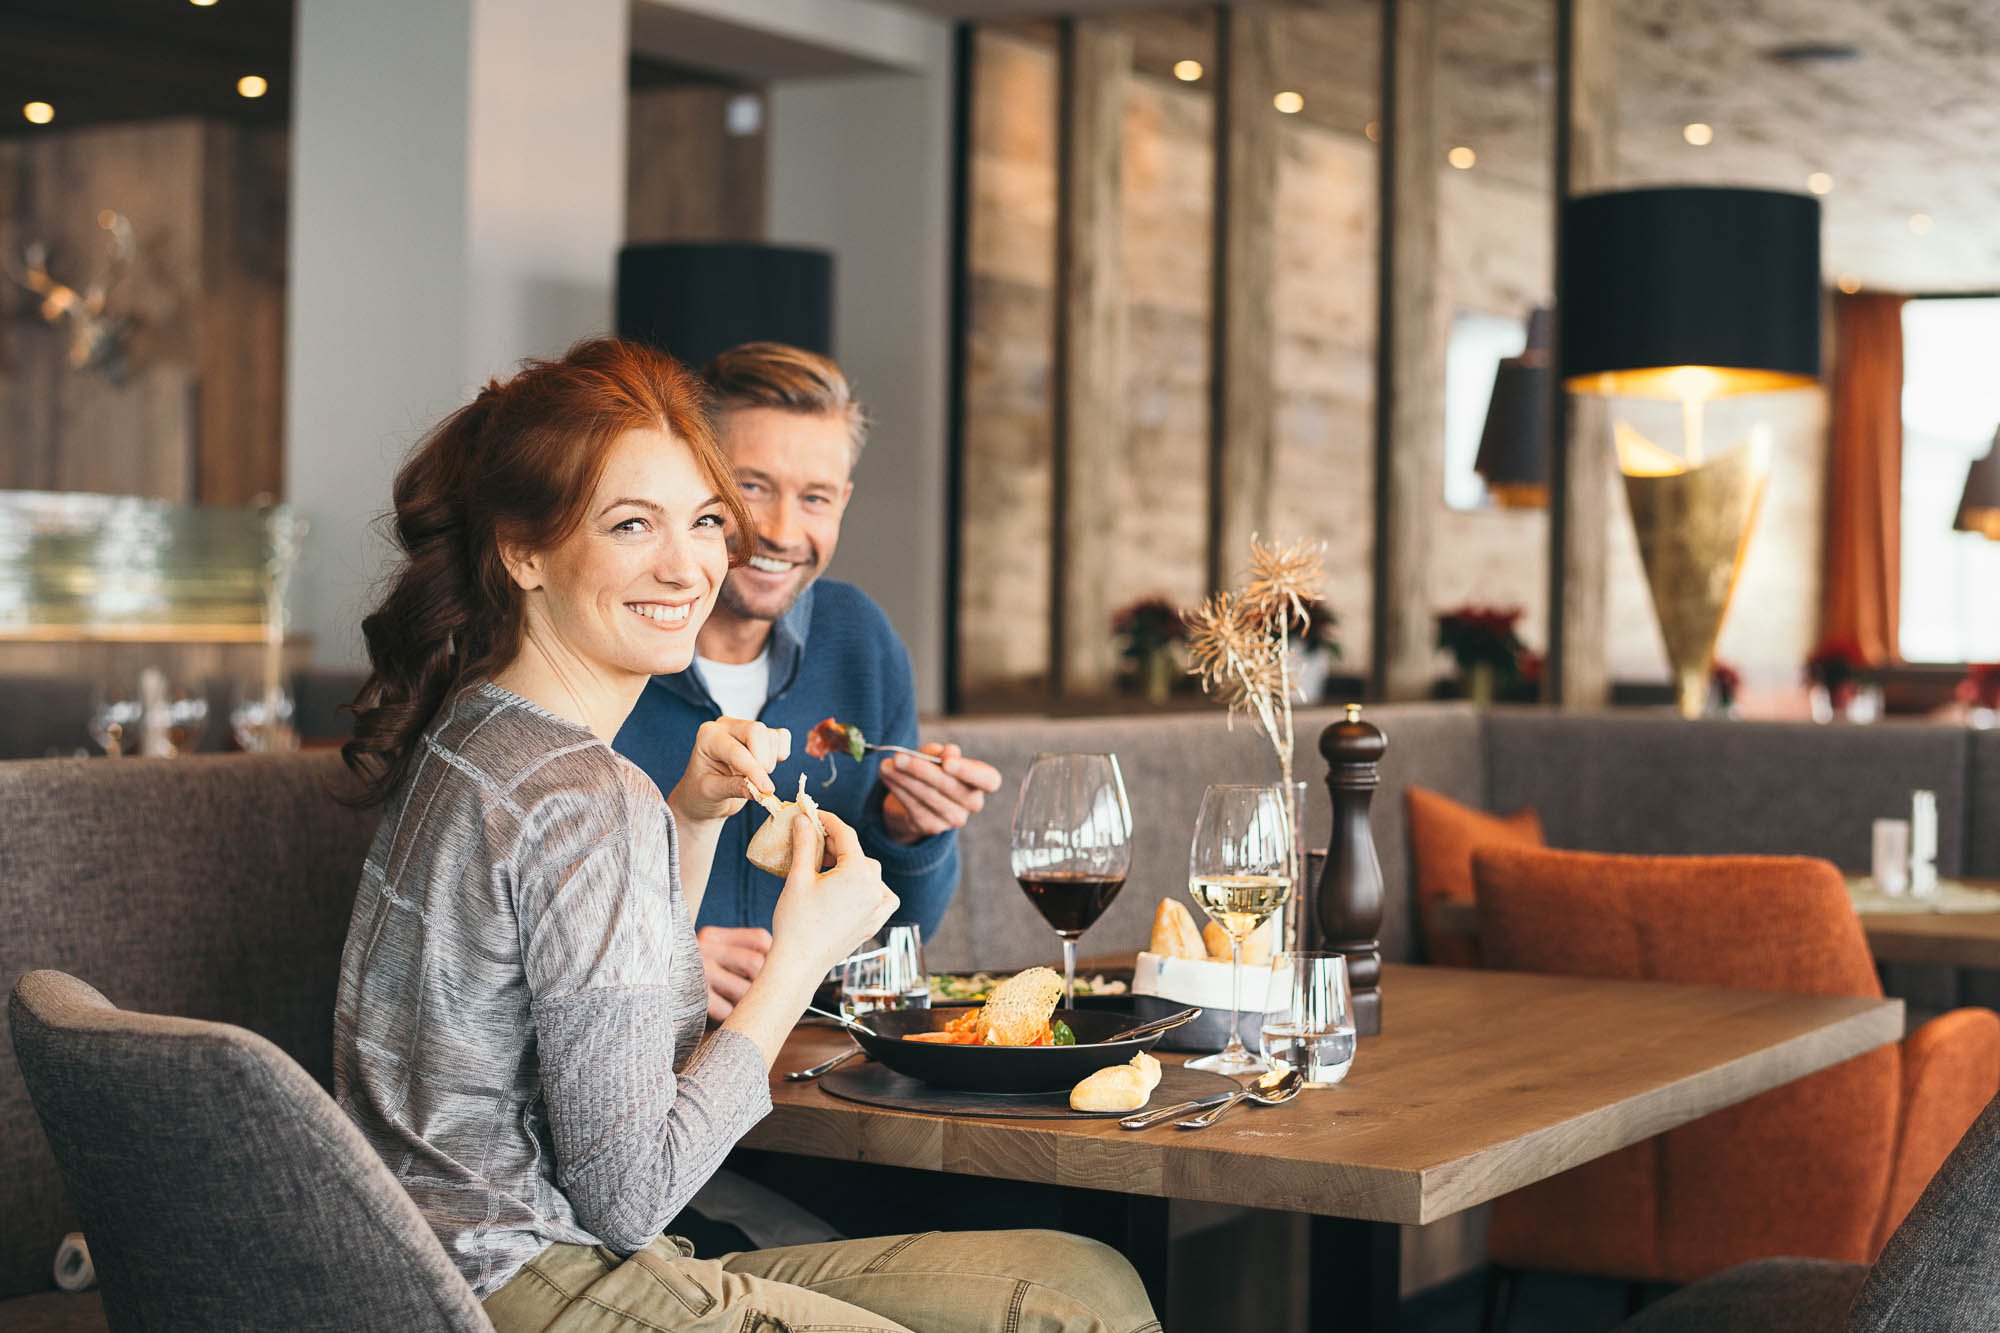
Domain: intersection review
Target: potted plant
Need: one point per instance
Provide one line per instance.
(1841, 682)
(1980, 693)
(1148, 632)
(1725, 682)
(1483, 642)
(1314, 648)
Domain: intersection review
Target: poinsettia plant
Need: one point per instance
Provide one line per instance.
(1482, 636)
(1839, 667)
(1981, 686)
(1148, 626)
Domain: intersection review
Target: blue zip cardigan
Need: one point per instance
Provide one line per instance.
(857, 670)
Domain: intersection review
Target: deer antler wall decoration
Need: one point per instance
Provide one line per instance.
(97, 340)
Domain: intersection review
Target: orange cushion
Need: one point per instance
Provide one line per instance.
(1443, 836)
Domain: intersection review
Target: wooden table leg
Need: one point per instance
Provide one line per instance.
(1356, 1276)
(1135, 1225)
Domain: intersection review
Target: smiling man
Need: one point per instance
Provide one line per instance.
(787, 648)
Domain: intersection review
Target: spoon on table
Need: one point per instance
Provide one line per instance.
(1273, 1087)
(812, 1072)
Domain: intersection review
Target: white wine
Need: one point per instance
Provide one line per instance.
(1239, 903)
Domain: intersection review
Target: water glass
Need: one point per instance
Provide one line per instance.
(1309, 1016)
(1889, 863)
(889, 975)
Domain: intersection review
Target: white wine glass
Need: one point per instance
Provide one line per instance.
(1072, 845)
(1240, 871)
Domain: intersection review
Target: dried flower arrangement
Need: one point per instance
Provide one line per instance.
(1239, 645)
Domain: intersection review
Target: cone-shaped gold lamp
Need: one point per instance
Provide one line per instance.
(1693, 521)
(1690, 293)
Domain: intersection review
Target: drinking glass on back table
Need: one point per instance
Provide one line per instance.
(1072, 845)
(886, 975)
(1240, 871)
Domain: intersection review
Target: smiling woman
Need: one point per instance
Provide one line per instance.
(484, 508)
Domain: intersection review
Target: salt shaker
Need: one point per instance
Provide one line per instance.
(1923, 844)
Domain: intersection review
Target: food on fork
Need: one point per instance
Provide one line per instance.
(1122, 1088)
(770, 847)
(834, 737)
(1020, 1012)
(1175, 934)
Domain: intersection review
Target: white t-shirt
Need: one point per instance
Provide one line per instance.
(738, 688)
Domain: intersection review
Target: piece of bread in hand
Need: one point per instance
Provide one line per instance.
(1174, 933)
(1125, 1087)
(770, 847)
(1256, 946)
(1017, 1012)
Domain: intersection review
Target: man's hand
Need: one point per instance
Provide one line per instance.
(926, 798)
(731, 958)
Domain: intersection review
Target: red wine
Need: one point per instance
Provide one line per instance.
(1071, 902)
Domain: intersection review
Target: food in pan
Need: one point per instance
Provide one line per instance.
(1019, 1012)
(1125, 1087)
(973, 987)
(770, 847)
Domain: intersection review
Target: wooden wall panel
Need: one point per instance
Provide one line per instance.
(687, 176)
(1090, 418)
(240, 343)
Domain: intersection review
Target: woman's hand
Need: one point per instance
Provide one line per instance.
(731, 758)
(822, 915)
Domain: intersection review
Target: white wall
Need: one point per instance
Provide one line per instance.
(862, 166)
(457, 200)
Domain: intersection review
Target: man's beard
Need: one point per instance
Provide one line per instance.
(730, 597)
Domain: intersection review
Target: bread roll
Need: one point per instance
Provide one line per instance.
(1174, 933)
(1125, 1087)
(1256, 946)
(770, 847)
(1017, 1012)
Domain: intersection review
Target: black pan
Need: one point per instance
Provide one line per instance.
(999, 1068)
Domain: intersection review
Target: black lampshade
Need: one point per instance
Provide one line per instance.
(1979, 507)
(1723, 280)
(1514, 447)
(695, 299)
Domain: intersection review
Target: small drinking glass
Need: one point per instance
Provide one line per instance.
(1240, 871)
(1889, 860)
(889, 976)
(1309, 1016)
(252, 724)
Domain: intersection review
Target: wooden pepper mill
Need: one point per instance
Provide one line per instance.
(1350, 890)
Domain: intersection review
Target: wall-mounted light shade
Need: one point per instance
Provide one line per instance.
(695, 299)
(1979, 507)
(1514, 447)
(1690, 292)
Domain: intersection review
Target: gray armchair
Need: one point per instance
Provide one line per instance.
(1939, 1273)
(219, 1186)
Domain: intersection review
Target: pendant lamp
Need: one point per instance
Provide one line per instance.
(1979, 506)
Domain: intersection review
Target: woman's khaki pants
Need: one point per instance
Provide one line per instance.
(933, 1282)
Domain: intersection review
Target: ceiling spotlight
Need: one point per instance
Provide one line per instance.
(39, 113)
(1820, 183)
(1187, 71)
(1289, 102)
(1373, 129)
(1920, 223)
(1698, 134)
(1849, 283)
(1462, 157)
(252, 85)
(201, 4)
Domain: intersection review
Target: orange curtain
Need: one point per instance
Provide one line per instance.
(1860, 595)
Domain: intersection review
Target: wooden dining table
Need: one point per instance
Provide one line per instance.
(1480, 1083)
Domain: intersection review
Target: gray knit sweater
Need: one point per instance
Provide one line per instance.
(518, 1030)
